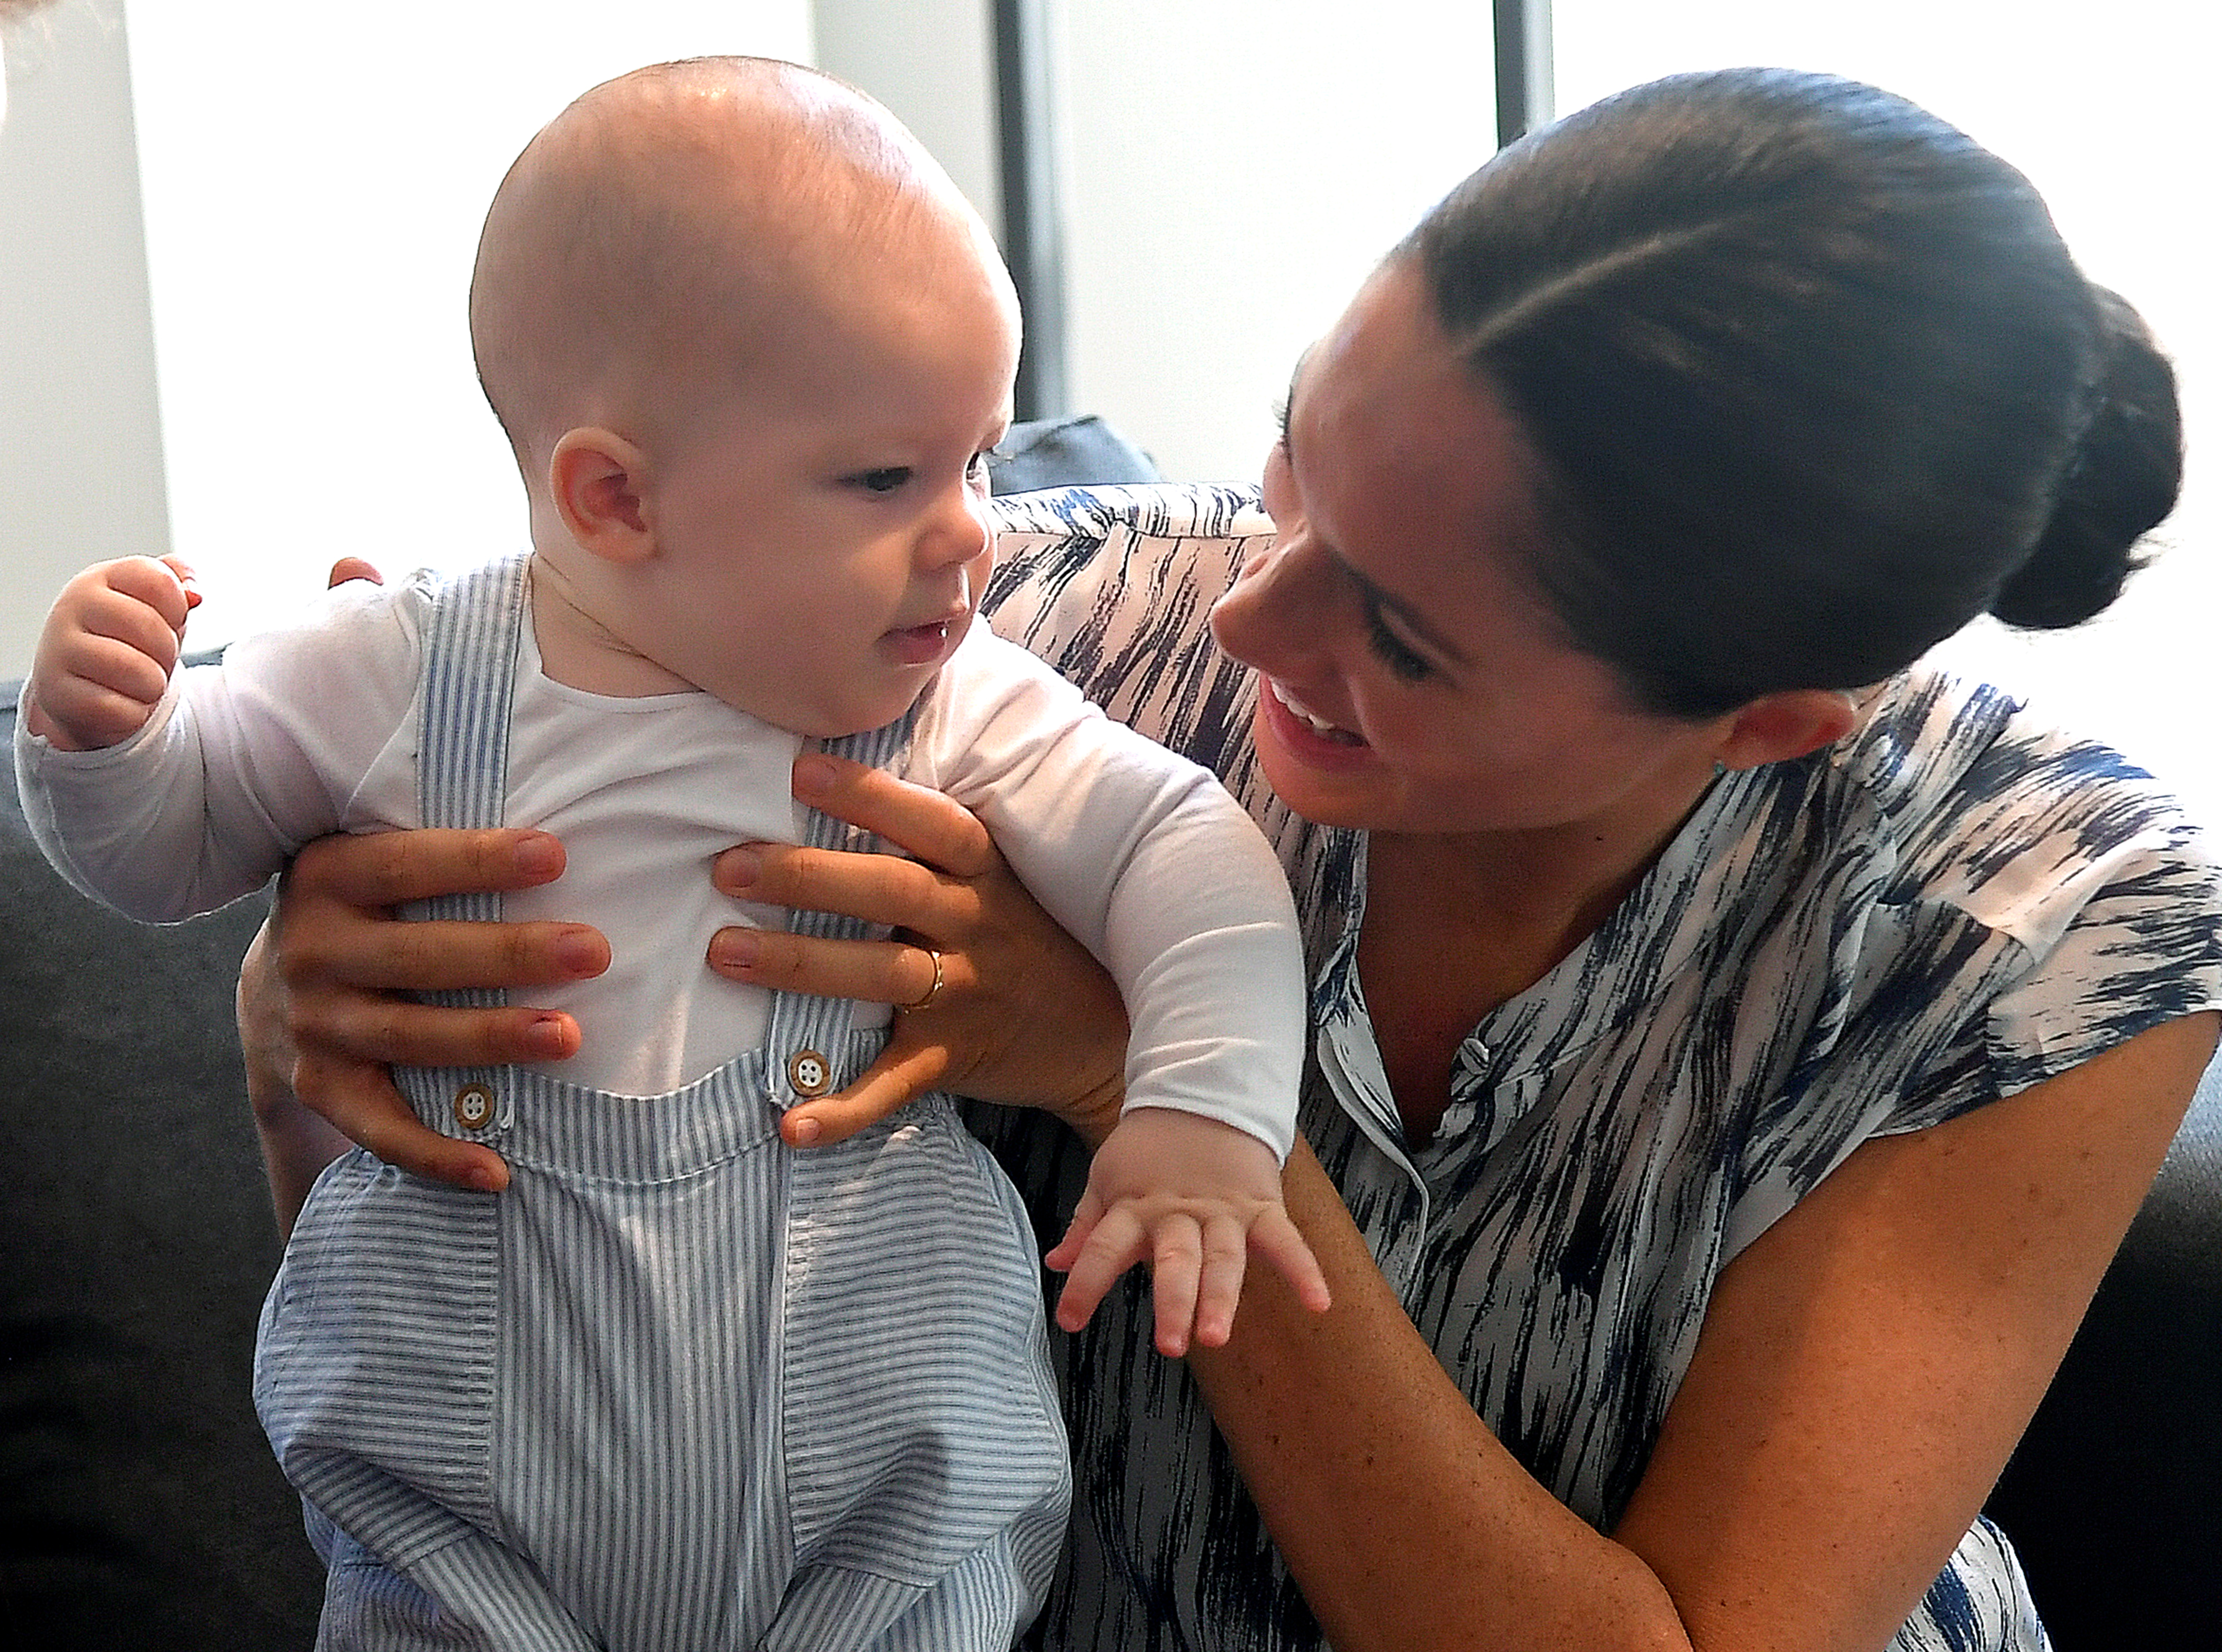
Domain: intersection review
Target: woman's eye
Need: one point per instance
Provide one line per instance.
(884, 480)
(1392, 651)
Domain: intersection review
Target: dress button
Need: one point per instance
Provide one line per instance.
(809, 1073)
(474, 1106)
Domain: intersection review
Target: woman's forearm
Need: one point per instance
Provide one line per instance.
(1406, 1525)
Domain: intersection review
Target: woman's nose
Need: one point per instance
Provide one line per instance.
(1279, 608)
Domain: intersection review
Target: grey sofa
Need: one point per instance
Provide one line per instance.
(139, 1505)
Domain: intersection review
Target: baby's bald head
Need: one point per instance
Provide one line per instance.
(678, 221)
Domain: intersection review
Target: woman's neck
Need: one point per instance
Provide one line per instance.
(1457, 925)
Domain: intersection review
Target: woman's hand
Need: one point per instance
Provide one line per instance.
(322, 1004)
(1022, 1016)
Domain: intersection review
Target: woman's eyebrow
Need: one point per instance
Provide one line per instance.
(1411, 618)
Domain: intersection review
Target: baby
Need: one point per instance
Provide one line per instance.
(679, 1386)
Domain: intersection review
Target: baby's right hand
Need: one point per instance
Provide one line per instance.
(111, 642)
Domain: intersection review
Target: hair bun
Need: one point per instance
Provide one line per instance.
(2121, 482)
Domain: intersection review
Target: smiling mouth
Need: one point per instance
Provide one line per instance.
(1332, 732)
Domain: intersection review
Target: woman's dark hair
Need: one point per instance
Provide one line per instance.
(1808, 381)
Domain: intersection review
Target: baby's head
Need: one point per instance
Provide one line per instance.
(750, 344)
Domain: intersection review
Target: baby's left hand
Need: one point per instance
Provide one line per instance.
(1192, 1196)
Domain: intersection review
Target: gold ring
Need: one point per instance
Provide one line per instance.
(922, 1003)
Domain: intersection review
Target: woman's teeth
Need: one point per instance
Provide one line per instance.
(1318, 724)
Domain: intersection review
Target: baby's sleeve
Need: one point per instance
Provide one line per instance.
(244, 761)
(1148, 862)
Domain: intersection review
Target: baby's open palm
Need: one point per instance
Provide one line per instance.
(1192, 1196)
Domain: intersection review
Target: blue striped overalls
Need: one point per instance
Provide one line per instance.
(679, 1388)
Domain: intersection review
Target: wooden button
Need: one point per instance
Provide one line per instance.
(474, 1106)
(809, 1073)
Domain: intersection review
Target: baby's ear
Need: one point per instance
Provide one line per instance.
(596, 479)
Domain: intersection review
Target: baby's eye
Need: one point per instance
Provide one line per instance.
(886, 479)
(977, 469)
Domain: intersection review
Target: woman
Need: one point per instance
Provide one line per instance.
(1738, 1054)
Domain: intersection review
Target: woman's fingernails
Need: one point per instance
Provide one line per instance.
(580, 952)
(814, 777)
(547, 1038)
(738, 869)
(734, 949)
(537, 856)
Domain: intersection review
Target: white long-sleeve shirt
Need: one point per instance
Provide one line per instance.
(302, 732)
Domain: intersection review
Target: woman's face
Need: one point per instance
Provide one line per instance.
(1409, 681)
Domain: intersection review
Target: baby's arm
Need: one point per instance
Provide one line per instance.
(198, 799)
(110, 641)
(1145, 858)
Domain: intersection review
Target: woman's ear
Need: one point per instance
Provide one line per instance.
(597, 479)
(1775, 728)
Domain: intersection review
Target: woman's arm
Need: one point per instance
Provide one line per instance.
(1864, 1370)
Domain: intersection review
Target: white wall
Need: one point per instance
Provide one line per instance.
(1234, 170)
(1231, 171)
(80, 446)
(313, 177)
(932, 62)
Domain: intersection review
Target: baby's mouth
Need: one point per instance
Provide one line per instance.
(916, 645)
(1319, 725)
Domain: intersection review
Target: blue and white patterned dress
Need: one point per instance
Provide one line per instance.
(1951, 904)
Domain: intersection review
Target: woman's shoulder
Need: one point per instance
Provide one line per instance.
(1945, 760)
(1985, 805)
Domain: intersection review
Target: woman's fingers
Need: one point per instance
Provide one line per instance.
(431, 957)
(917, 819)
(326, 999)
(900, 1077)
(359, 1100)
(878, 972)
(882, 889)
(345, 1024)
(388, 869)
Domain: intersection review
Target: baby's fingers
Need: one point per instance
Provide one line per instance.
(164, 589)
(1274, 1237)
(1225, 1255)
(1114, 1244)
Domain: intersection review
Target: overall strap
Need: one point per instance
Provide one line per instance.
(469, 670)
(804, 1026)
